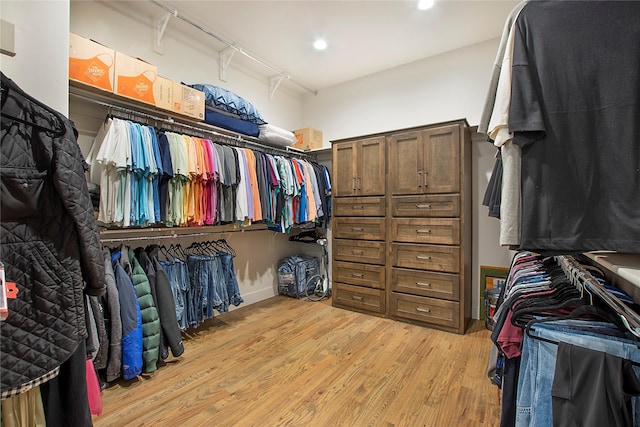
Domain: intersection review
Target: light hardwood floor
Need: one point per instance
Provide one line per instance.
(287, 362)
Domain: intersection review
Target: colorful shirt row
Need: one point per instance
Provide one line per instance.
(148, 177)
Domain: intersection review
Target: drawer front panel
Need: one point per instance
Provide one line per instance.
(358, 206)
(368, 299)
(428, 310)
(426, 257)
(443, 206)
(426, 283)
(371, 276)
(444, 231)
(359, 251)
(359, 228)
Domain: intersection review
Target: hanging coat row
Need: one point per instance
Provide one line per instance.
(152, 295)
(148, 177)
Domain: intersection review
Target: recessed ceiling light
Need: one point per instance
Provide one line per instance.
(425, 4)
(320, 44)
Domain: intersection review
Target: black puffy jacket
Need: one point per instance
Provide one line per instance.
(49, 243)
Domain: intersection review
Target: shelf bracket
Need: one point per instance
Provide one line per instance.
(274, 82)
(160, 28)
(225, 60)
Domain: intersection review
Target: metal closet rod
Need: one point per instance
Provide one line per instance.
(236, 140)
(232, 46)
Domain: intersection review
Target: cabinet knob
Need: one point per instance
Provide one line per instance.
(423, 310)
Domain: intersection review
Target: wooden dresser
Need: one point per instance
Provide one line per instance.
(402, 225)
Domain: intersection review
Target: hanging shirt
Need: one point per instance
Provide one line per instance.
(167, 173)
(242, 207)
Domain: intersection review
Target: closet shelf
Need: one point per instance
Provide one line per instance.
(162, 233)
(125, 108)
(623, 270)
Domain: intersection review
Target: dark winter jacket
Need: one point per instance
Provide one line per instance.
(164, 302)
(150, 319)
(131, 322)
(50, 245)
(112, 313)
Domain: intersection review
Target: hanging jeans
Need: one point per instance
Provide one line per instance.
(178, 274)
(533, 400)
(205, 279)
(230, 279)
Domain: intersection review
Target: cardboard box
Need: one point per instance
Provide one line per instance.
(134, 78)
(163, 93)
(307, 139)
(91, 63)
(188, 101)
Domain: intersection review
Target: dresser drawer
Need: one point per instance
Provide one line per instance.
(359, 251)
(426, 257)
(442, 205)
(371, 276)
(372, 300)
(359, 228)
(426, 283)
(444, 231)
(358, 206)
(424, 309)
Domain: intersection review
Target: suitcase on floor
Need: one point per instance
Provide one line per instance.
(293, 274)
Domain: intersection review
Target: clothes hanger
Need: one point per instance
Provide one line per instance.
(4, 93)
(586, 312)
(226, 247)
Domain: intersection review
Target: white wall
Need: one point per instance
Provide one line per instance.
(445, 87)
(40, 66)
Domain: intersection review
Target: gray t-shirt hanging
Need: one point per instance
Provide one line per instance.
(575, 111)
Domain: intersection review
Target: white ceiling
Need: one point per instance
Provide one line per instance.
(364, 37)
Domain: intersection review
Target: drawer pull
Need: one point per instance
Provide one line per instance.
(419, 179)
(425, 284)
(423, 231)
(357, 275)
(423, 206)
(354, 183)
(355, 252)
(357, 228)
(357, 298)
(425, 258)
(358, 207)
(423, 310)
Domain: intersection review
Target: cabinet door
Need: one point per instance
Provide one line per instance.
(371, 167)
(441, 159)
(344, 169)
(405, 163)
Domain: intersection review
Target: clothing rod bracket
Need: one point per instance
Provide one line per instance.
(225, 59)
(160, 28)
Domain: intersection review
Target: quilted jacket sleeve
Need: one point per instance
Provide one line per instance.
(70, 183)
